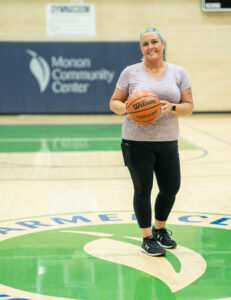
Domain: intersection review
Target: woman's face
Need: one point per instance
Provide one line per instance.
(151, 46)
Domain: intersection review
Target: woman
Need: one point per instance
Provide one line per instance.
(153, 148)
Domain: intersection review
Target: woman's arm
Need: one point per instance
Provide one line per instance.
(184, 108)
(117, 102)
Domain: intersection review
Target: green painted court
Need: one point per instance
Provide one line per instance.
(87, 137)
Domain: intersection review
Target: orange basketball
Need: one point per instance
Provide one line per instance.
(143, 107)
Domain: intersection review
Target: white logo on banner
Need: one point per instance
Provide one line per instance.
(40, 69)
(67, 75)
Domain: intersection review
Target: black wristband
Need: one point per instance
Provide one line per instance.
(173, 108)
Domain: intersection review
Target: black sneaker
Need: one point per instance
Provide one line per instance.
(162, 237)
(151, 247)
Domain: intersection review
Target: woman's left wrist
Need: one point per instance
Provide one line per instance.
(173, 108)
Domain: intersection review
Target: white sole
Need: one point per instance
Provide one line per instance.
(156, 254)
(166, 247)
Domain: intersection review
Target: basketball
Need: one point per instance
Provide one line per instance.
(143, 107)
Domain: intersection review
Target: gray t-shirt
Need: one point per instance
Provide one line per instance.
(135, 78)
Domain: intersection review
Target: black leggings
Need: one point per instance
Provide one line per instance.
(143, 159)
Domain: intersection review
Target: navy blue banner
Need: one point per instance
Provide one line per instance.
(61, 77)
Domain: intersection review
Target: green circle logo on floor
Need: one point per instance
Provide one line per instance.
(97, 256)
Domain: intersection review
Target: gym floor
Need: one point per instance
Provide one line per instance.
(68, 230)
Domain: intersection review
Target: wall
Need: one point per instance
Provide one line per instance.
(198, 41)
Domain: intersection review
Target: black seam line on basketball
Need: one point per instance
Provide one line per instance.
(153, 98)
(139, 122)
(145, 122)
(136, 112)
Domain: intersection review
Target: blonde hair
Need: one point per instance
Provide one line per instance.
(154, 30)
(160, 36)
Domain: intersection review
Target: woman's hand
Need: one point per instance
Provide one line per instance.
(184, 108)
(166, 106)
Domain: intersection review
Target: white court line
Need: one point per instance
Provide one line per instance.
(105, 191)
(208, 189)
(7, 140)
(67, 192)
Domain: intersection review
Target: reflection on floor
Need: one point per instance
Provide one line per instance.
(67, 227)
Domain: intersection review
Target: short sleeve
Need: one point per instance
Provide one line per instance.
(182, 79)
(123, 81)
